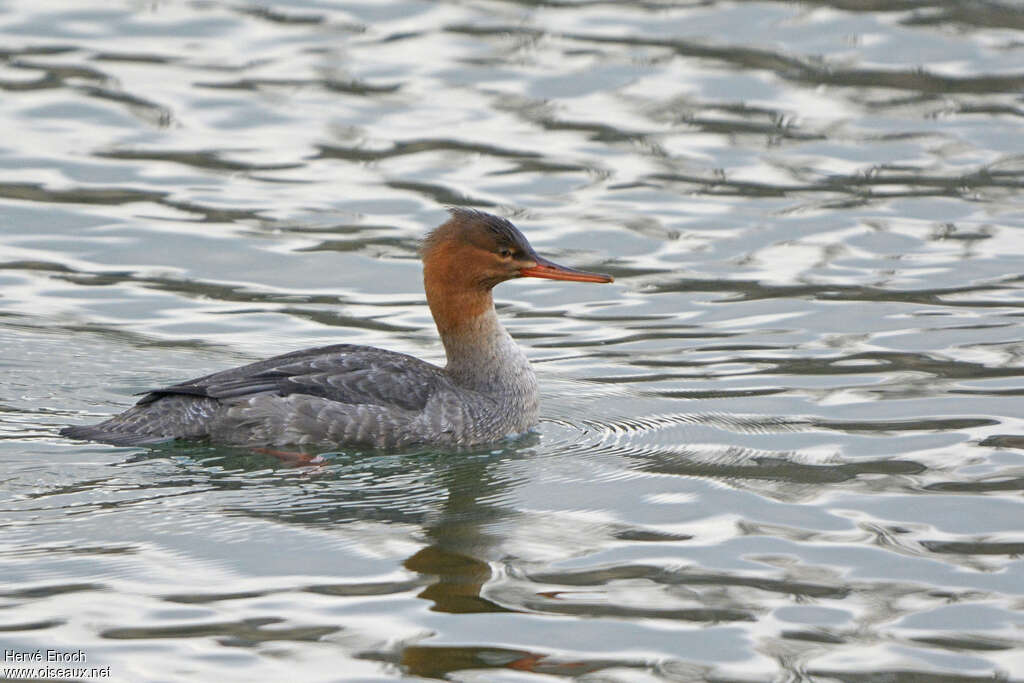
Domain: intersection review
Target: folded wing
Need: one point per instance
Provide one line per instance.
(344, 373)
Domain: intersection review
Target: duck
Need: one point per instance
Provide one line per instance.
(347, 395)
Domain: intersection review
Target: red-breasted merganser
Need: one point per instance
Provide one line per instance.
(361, 396)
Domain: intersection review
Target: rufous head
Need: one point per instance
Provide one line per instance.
(471, 252)
(474, 251)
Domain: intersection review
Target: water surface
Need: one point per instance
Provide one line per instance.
(785, 444)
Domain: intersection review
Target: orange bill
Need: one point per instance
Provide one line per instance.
(553, 271)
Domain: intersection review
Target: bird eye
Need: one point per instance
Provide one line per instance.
(505, 253)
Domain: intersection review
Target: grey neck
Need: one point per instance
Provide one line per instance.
(483, 356)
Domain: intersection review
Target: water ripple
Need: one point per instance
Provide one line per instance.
(787, 440)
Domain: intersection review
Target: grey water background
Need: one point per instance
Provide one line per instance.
(786, 444)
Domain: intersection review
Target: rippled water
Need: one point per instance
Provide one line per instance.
(786, 444)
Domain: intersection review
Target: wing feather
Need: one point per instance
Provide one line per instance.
(346, 373)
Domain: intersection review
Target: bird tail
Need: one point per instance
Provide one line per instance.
(169, 417)
(104, 434)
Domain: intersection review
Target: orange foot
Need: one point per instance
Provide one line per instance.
(292, 458)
